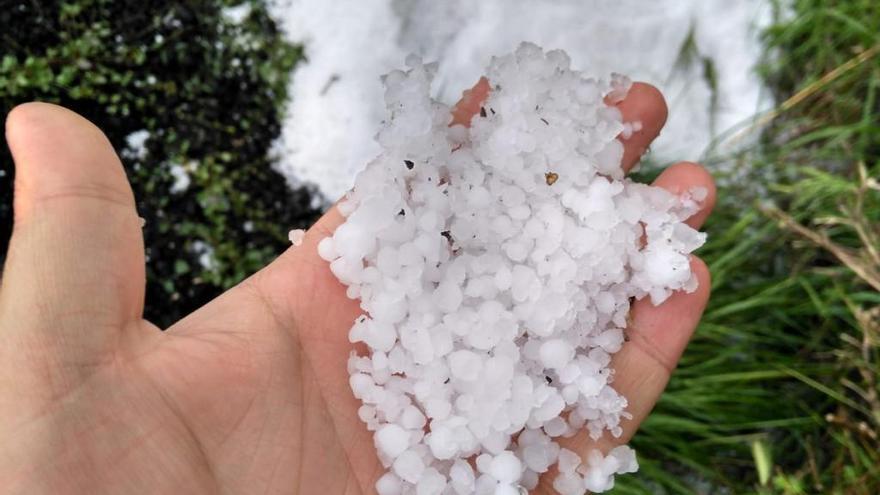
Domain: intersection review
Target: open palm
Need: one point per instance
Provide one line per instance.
(247, 395)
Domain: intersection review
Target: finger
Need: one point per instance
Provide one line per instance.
(470, 102)
(75, 265)
(297, 295)
(657, 335)
(645, 105)
(642, 368)
(687, 176)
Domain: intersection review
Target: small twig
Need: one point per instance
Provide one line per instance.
(807, 91)
(864, 271)
(869, 323)
(862, 228)
(864, 393)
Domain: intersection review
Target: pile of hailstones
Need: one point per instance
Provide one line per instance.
(495, 266)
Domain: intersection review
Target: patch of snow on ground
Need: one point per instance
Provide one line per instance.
(136, 145)
(205, 253)
(336, 94)
(236, 14)
(181, 176)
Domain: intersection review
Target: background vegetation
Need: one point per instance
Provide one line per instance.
(190, 96)
(778, 393)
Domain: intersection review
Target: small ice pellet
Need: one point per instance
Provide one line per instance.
(411, 418)
(507, 489)
(484, 463)
(442, 443)
(495, 266)
(556, 353)
(556, 427)
(568, 461)
(326, 249)
(596, 481)
(296, 236)
(627, 458)
(465, 365)
(431, 483)
(391, 440)
(461, 476)
(389, 484)
(536, 457)
(699, 193)
(505, 467)
(569, 484)
(409, 466)
(528, 482)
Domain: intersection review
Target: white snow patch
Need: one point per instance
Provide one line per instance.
(205, 253)
(136, 145)
(236, 14)
(337, 96)
(182, 179)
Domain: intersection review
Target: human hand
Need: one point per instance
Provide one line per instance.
(250, 393)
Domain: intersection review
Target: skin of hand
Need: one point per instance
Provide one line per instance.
(250, 393)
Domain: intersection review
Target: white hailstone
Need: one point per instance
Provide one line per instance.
(556, 353)
(326, 249)
(569, 373)
(361, 385)
(448, 296)
(538, 458)
(529, 480)
(569, 484)
(441, 442)
(568, 461)
(367, 413)
(391, 440)
(389, 484)
(409, 466)
(496, 265)
(505, 489)
(438, 408)
(378, 335)
(698, 193)
(296, 236)
(483, 462)
(626, 457)
(485, 485)
(465, 365)
(411, 418)
(550, 408)
(597, 482)
(505, 467)
(431, 483)
(461, 477)
(556, 427)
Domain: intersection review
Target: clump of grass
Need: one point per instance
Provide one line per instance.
(778, 392)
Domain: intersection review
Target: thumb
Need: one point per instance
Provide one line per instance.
(74, 272)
